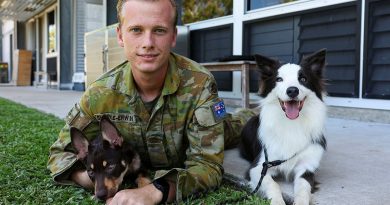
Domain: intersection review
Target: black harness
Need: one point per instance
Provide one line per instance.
(266, 165)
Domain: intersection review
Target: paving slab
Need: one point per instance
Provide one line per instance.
(354, 170)
(56, 102)
(355, 167)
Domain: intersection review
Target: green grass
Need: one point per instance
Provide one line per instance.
(25, 137)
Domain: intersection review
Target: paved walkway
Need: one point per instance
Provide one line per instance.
(354, 171)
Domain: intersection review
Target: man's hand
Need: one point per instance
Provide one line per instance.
(147, 195)
(81, 178)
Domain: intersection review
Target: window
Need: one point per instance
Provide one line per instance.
(193, 11)
(52, 34)
(377, 51)
(256, 4)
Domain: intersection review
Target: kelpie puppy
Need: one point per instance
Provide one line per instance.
(108, 159)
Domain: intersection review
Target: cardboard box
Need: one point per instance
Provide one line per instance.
(22, 67)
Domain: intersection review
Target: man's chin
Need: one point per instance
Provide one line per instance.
(147, 67)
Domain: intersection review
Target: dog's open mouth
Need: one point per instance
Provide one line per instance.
(292, 108)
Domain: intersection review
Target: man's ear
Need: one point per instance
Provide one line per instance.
(119, 36)
(175, 33)
(109, 132)
(79, 142)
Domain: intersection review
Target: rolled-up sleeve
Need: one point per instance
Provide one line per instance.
(203, 166)
(62, 157)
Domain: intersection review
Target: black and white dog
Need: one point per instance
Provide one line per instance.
(290, 126)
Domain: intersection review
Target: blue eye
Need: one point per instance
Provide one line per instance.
(160, 31)
(279, 79)
(302, 79)
(135, 30)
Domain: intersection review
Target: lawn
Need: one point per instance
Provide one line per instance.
(25, 137)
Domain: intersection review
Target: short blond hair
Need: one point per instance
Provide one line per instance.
(119, 8)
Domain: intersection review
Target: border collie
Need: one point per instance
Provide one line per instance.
(289, 128)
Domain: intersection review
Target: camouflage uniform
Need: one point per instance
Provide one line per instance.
(183, 137)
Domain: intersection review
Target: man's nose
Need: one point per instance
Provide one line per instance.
(148, 40)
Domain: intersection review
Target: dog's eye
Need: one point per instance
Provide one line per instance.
(91, 174)
(279, 79)
(302, 79)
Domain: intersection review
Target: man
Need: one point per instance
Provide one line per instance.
(169, 96)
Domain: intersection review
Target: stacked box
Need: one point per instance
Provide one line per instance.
(22, 67)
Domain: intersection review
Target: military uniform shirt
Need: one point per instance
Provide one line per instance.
(182, 138)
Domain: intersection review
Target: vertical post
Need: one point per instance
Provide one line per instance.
(245, 84)
(238, 15)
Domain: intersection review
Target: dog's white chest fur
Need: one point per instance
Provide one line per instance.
(290, 127)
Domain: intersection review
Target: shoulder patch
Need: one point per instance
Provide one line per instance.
(211, 113)
(219, 111)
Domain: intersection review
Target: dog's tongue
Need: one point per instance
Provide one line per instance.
(292, 109)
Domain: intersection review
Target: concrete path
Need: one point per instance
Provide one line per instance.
(354, 170)
(49, 101)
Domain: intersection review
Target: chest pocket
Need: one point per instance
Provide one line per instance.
(157, 152)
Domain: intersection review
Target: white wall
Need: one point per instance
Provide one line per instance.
(7, 31)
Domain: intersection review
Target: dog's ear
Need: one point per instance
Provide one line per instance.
(109, 132)
(79, 142)
(267, 66)
(315, 62)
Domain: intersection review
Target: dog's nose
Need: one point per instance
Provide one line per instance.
(101, 195)
(292, 92)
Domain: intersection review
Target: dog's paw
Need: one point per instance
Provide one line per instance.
(142, 181)
(277, 201)
(301, 201)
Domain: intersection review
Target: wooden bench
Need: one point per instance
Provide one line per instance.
(243, 67)
(42, 76)
(38, 77)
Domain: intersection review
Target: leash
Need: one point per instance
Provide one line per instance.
(266, 165)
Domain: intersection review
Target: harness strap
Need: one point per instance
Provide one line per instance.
(266, 166)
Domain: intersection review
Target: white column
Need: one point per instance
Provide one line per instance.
(362, 37)
(238, 14)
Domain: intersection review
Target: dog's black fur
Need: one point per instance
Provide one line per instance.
(290, 126)
(108, 158)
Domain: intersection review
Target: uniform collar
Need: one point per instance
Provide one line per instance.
(171, 84)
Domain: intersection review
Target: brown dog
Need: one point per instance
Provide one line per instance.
(108, 159)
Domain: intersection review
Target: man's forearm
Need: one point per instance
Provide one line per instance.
(172, 192)
(81, 178)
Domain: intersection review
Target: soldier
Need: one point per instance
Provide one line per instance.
(164, 104)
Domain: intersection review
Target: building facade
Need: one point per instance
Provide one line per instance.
(354, 32)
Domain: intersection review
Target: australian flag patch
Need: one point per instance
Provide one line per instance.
(219, 111)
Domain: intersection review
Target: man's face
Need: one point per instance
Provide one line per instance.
(147, 34)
